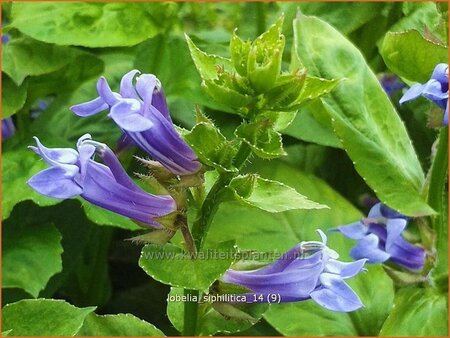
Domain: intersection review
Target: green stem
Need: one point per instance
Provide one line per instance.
(200, 229)
(190, 313)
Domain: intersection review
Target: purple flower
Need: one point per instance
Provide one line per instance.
(108, 186)
(380, 239)
(141, 111)
(310, 270)
(8, 128)
(436, 89)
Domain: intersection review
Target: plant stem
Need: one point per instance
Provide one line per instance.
(190, 313)
(190, 245)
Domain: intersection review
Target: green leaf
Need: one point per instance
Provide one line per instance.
(363, 117)
(314, 87)
(239, 50)
(31, 255)
(117, 325)
(417, 312)
(210, 321)
(312, 125)
(208, 65)
(105, 217)
(315, 320)
(171, 265)
(259, 135)
(268, 195)
(18, 167)
(43, 317)
(24, 57)
(84, 24)
(211, 146)
(13, 96)
(412, 56)
(254, 229)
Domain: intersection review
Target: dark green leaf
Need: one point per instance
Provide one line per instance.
(117, 325)
(43, 317)
(13, 97)
(24, 57)
(31, 255)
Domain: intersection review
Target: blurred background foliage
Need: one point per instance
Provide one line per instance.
(54, 55)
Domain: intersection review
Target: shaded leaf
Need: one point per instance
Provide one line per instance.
(31, 255)
(117, 325)
(43, 317)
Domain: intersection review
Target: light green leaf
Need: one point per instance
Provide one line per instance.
(210, 321)
(310, 125)
(315, 320)
(260, 136)
(18, 167)
(31, 255)
(207, 65)
(43, 317)
(417, 312)
(13, 97)
(171, 265)
(363, 117)
(24, 57)
(117, 325)
(411, 56)
(84, 24)
(268, 195)
(211, 146)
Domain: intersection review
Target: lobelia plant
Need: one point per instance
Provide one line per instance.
(191, 173)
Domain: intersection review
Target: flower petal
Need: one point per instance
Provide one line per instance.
(368, 248)
(127, 89)
(394, 229)
(89, 108)
(336, 295)
(105, 92)
(145, 85)
(53, 182)
(375, 211)
(127, 115)
(440, 73)
(412, 93)
(345, 269)
(355, 230)
(160, 103)
(433, 91)
(55, 156)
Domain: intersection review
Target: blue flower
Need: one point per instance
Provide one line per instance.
(436, 89)
(107, 185)
(8, 128)
(142, 113)
(310, 270)
(380, 239)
